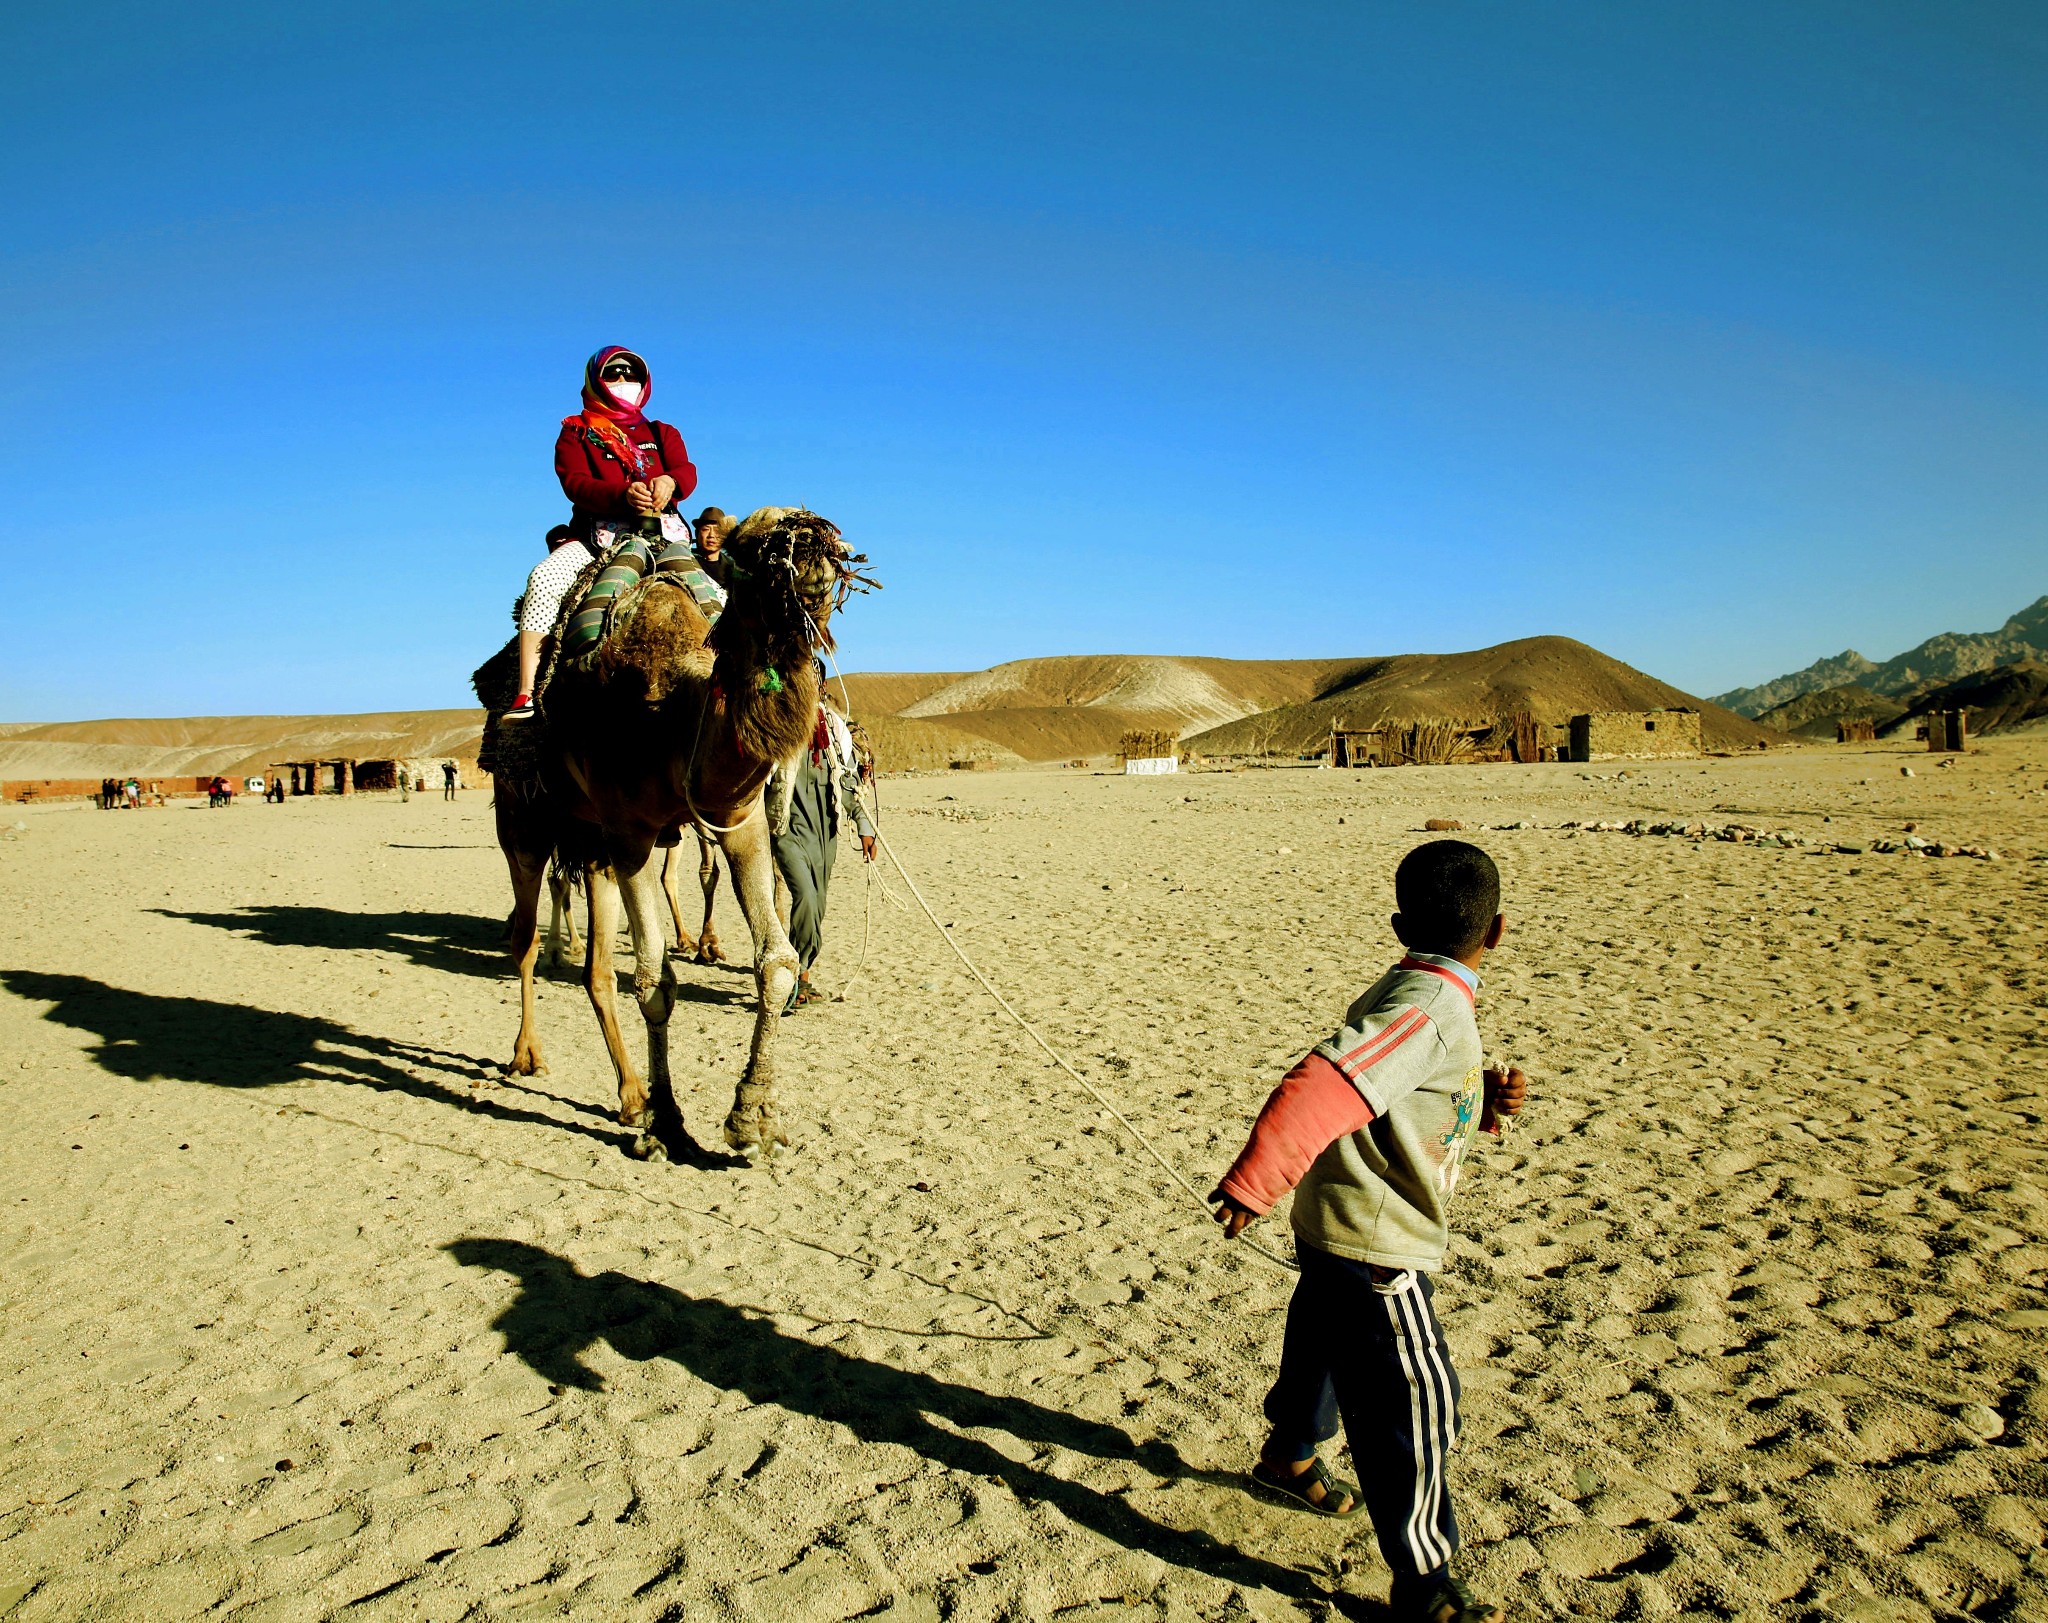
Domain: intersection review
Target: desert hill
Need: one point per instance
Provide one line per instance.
(1079, 705)
(1938, 660)
(1062, 708)
(1552, 677)
(1813, 715)
(237, 745)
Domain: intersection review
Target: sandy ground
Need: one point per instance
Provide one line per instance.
(305, 1317)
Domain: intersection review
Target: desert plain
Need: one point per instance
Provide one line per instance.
(310, 1313)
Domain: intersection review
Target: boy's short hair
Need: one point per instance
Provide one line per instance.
(559, 534)
(1448, 892)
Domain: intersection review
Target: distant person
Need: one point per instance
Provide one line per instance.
(131, 794)
(1370, 1130)
(404, 784)
(617, 466)
(823, 794)
(276, 791)
(712, 526)
(447, 780)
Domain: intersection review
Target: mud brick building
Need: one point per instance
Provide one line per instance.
(1635, 735)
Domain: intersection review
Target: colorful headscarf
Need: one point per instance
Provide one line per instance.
(605, 419)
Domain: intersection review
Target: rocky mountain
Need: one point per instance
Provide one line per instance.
(2000, 699)
(1813, 715)
(1940, 659)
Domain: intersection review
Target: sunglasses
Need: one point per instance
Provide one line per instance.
(619, 374)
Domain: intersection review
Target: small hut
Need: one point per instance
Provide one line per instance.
(334, 776)
(1147, 752)
(1948, 731)
(1360, 746)
(1856, 730)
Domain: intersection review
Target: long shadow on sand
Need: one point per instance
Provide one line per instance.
(560, 1311)
(459, 943)
(148, 1038)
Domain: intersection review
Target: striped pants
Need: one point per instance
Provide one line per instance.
(1371, 1351)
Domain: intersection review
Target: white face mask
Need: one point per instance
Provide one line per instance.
(627, 393)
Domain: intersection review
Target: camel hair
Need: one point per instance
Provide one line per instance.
(671, 722)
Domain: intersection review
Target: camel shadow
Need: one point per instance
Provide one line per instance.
(146, 1037)
(460, 943)
(560, 1311)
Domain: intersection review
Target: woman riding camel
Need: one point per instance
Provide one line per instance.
(617, 466)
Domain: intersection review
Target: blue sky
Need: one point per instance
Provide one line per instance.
(1712, 336)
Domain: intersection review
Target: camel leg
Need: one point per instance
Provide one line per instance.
(708, 951)
(601, 983)
(523, 939)
(654, 988)
(670, 874)
(561, 921)
(753, 1125)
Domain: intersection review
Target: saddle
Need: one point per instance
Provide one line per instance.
(591, 610)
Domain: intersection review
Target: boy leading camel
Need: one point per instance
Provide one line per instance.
(1372, 1127)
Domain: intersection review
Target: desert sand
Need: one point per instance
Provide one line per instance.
(307, 1314)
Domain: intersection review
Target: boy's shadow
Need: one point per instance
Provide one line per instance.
(560, 1311)
(146, 1037)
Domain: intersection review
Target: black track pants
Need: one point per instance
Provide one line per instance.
(1371, 1351)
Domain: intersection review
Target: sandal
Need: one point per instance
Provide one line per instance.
(1295, 1488)
(1448, 1601)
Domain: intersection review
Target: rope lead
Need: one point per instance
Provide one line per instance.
(1053, 1054)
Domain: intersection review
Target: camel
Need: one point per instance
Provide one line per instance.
(670, 722)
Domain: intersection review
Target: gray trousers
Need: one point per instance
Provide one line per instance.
(805, 856)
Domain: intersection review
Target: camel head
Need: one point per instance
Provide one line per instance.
(792, 570)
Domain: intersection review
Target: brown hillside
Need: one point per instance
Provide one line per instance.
(182, 746)
(1555, 678)
(890, 693)
(1196, 691)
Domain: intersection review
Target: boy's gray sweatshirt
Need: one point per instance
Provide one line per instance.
(1411, 1047)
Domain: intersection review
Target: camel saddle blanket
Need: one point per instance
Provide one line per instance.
(512, 754)
(630, 562)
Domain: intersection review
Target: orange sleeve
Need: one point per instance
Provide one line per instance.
(1314, 1106)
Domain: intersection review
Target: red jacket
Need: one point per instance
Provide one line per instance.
(595, 481)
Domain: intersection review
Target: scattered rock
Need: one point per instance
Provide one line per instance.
(1905, 771)
(284, 1465)
(1443, 825)
(1981, 1420)
(422, 1448)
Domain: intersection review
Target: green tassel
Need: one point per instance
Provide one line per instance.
(771, 680)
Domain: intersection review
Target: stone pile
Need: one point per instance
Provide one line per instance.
(1782, 838)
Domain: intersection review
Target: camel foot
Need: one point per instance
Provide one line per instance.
(647, 1147)
(685, 949)
(709, 952)
(755, 1130)
(526, 1061)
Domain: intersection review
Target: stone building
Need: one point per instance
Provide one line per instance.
(1635, 734)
